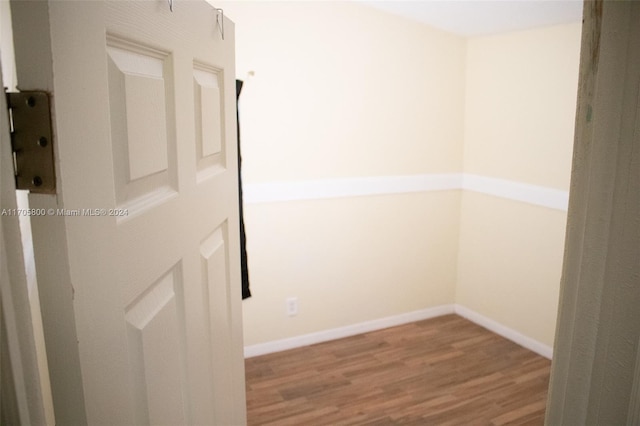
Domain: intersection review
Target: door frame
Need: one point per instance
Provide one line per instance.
(26, 391)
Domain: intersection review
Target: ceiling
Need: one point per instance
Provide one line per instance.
(482, 17)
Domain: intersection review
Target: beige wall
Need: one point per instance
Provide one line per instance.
(348, 260)
(338, 90)
(509, 264)
(521, 102)
(520, 110)
(342, 90)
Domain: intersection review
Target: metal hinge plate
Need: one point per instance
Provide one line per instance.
(31, 141)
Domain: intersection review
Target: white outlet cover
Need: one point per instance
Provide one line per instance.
(292, 306)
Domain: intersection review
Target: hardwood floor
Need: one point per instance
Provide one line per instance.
(442, 371)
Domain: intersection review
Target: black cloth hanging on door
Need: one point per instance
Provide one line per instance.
(243, 238)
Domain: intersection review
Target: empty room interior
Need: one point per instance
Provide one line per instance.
(440, 201)
(394, 171)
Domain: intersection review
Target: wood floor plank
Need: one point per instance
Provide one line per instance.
(442, 371)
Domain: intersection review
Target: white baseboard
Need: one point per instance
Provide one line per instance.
(506, 332)
(350, 330)
(379, 324)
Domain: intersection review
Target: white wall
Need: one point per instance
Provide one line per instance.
(335, 92)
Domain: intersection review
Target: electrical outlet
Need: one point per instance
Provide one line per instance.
(292, 306)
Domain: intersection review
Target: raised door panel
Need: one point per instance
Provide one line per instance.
(141, 123)
(155, 329)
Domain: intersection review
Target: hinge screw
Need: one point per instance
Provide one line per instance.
(43, 142)
(37, 181)
(31, 101)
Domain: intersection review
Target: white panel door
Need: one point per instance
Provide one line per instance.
(138, 255)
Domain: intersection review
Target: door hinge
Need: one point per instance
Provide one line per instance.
(32, 141)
